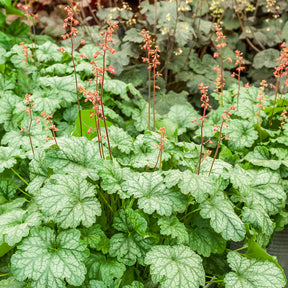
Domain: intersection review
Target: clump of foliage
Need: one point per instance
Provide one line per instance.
(163, 208)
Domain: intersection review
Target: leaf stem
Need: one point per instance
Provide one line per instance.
(191, 212)
(103, 197)
(22, 191)
(4, 275)
(20, 176)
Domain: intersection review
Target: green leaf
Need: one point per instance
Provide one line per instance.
(6, 206)
(258, 218)
(46, 101)
(2, 55)
(48, 53)
(38, 171)
(259, 187)
(204, 240)
(134, 284)
(7, 188)
(62, 87)
(120, 139)
(133, 35)
(220, 168)
(87, 123)
(11, 282)
(184, 33)
(171, 226)
(22, 140)
(252, 273)
(266, 58)
(222, 217)
(175, 266)
(260, 157)
(129, 220)
(192, 184)
(69, 201)
(241, 133)
(95, 238)
(172, 177)
(146, 152)
(5, 3)
(15, 225)
(164, 102)
(182, 115)
(152, 194)
(7, 108)
(112, 175)
(129, 246)
(8, 157)
(42, 251)
(106, 269)
(76, 156)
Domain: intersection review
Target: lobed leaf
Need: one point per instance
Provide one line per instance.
(47, 260)
(252, 273)
(152, 194)
(175, 266)
(69, 201)
(222, 217)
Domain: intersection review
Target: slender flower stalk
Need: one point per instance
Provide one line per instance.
(105, 47)
(70, 22)
(147, 46)
(220, 45)
(160, 146)
(239, 62)
(205, 105)
(96, 97)
(27, 7)
(280, 71)
(260, 106)
(225, 117)
(29, 111)
(153, 62)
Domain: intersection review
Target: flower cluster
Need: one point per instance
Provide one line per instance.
(220, 44)
(225, 117)
(152, 59)
(240, 63)
(26, 52)
(205, 105)
(50, 125)
(283, 118)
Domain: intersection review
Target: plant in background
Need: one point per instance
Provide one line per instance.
(154, 64)
(29, 111)
(147, 46)
(51, 126)
(225, 117)
(280, 71)
(220, 45)
(205, 105)
(100, 73)
(261, 98)
(240, 67)
(70, 22)
(31, 20)
(152, 60)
